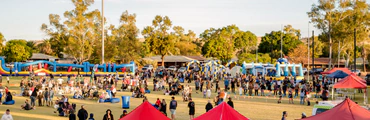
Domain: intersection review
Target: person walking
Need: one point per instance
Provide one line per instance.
(173, 106)
(209, 106)
(163, 107)
(7, 115)
(108, 115)
(82, 113)
(290, 96)
(302, 94)
(230, 102)
(191, 106)
(33, 97)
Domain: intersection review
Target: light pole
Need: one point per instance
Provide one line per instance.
(354, 50)
(281, 42)
(102, 26)
(308, 52)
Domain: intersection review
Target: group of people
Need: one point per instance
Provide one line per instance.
(8, 96)
(44, 89)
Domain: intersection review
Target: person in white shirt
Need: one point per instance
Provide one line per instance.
(7, 115)
(60, 81)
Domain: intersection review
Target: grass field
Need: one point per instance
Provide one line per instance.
(257, 108)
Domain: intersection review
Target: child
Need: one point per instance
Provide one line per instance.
(209, 93)
(241, 90)
(280, 96)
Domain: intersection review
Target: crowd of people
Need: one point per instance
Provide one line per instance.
(172, 83)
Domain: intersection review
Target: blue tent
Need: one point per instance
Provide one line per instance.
(337, 74)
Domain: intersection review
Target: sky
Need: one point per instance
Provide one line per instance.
(22, 19)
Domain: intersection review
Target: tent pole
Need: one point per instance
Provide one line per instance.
(332, 93)
(365, 96)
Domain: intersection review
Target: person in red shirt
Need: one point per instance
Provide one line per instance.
(158, 103)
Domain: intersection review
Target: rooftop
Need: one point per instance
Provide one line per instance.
(40, 56)
(173, 58)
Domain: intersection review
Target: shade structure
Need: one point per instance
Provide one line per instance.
(346, 70)
(222, 112)
(337, 74)
(350, 82)
(347, 110)
(358, 77)
(145, 112)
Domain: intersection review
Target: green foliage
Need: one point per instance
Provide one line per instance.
(2, 39)
(17, 51)
(273, 40)
(45, 47)
(249, 57)
(337, 21)
(318, 47)
(224, 43)
(81, 30)
(185, 43)
(33, 46)
(157, 37)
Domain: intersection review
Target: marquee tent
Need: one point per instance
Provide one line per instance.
(145, 112)
(347, 110)
(222, 112)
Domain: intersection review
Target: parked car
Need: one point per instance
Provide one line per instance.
(160, 68)
(316, 71)
(181, 69)
(357, 71)
(172, 68)
(147, 67)
(304, 70)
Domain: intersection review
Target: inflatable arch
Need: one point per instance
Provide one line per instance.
(231, 62)
(192, 62)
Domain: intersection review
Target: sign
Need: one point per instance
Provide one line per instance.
(41, 74)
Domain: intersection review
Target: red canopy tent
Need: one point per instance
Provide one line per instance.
(335, 69)
(222, 112)
(351, 81)
(347, 110)
(358, 78)
(145, 112)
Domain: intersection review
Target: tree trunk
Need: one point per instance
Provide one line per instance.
(347, 60)
(162, 57)
(363, 62)
(364, 57)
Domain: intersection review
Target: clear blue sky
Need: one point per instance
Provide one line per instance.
(22, 19)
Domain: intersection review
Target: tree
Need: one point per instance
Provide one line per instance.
(122, 44)
(299, 54)
(249, 57)
(225, 42)
(245, 41)
(185, 43)
(17, 51)
(318, 47)
(45, 47)
(2, 39)
(337, 20)
(33, 46)
(271, 41)
(81, 30)
(158, 38)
